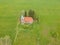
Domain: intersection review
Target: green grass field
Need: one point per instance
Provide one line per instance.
(48, 12)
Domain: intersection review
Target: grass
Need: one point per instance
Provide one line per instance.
(47, 11)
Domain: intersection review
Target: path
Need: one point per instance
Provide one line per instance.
(17, 31)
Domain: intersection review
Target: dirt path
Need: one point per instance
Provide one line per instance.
(17, 31)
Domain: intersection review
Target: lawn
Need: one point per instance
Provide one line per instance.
(48, 13)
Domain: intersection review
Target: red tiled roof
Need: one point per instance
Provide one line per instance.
(28, 19)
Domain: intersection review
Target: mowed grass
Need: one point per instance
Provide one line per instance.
(49, 17)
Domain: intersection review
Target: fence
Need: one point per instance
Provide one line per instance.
(5, 40)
